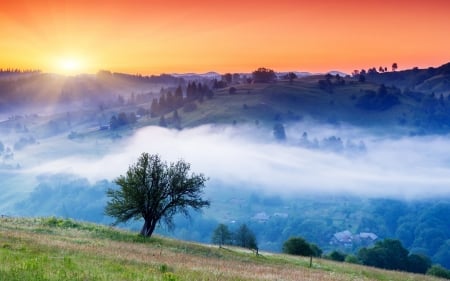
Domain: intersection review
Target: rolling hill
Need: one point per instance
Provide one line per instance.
(411, 102)
(56, 249)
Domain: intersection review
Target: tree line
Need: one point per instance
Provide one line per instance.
(392, 255)
(171, 100)
(242, 237)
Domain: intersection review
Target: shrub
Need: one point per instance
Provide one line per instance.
(337, 256)
(352, 259)
(439, 271)
(298, 246)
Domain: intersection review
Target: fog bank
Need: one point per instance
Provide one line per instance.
(406, 167)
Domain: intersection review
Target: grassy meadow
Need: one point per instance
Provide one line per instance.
(57, 249)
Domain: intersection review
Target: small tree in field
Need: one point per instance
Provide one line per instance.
(221, 235)
(300, 247)
(245, 238)
(154, 190)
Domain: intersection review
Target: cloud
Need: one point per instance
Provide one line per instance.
(398, 167)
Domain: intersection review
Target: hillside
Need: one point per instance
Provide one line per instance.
(55, 249)
(411, 102)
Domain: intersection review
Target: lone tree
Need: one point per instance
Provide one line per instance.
(154, 190)
(221, 235)
(297, 246)
(394, 66)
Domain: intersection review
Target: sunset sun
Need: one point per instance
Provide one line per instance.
(69, 65)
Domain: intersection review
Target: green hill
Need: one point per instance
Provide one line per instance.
(56, 249)
(412, 101)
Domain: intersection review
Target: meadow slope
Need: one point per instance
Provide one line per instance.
(57, 249)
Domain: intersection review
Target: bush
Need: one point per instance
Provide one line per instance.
(439, 271)
(337, 256)
(58, 222)
(418, 263)
(298, 246)
(352, 259)
(387, 254)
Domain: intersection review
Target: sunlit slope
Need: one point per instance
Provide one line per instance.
(262, 104)
(301, 100)
(55, 249)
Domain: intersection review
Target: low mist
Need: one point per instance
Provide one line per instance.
(363, 163)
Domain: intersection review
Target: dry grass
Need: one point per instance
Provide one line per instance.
(164, 259)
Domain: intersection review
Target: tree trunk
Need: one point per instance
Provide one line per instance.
(148, 228)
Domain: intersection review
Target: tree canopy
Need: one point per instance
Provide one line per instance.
(221, 235)
(298, 246)
(245, 238)
(390, 254)
(153, 190)
(263, 75)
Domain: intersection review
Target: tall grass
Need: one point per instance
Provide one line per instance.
(57, 249)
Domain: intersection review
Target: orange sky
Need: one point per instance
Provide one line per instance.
(152, 37)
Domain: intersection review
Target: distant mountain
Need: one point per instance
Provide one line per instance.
(214, 75)
(196, 76)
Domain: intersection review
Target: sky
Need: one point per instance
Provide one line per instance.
(153, 37)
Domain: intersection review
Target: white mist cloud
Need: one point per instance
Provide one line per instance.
(408, 167)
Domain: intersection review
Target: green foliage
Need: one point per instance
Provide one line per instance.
(169, 276)
(163, 268)
(439, 271)
(352, 259)
(388, 254)
(418, 263)
(316, 251)
(298, 246)
(154, 190)
(58, 222)
(337, 256)
(221, 235)
(245, 238)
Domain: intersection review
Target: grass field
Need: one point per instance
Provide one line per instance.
(57, 249)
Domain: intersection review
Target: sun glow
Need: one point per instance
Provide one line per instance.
(70, 65)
